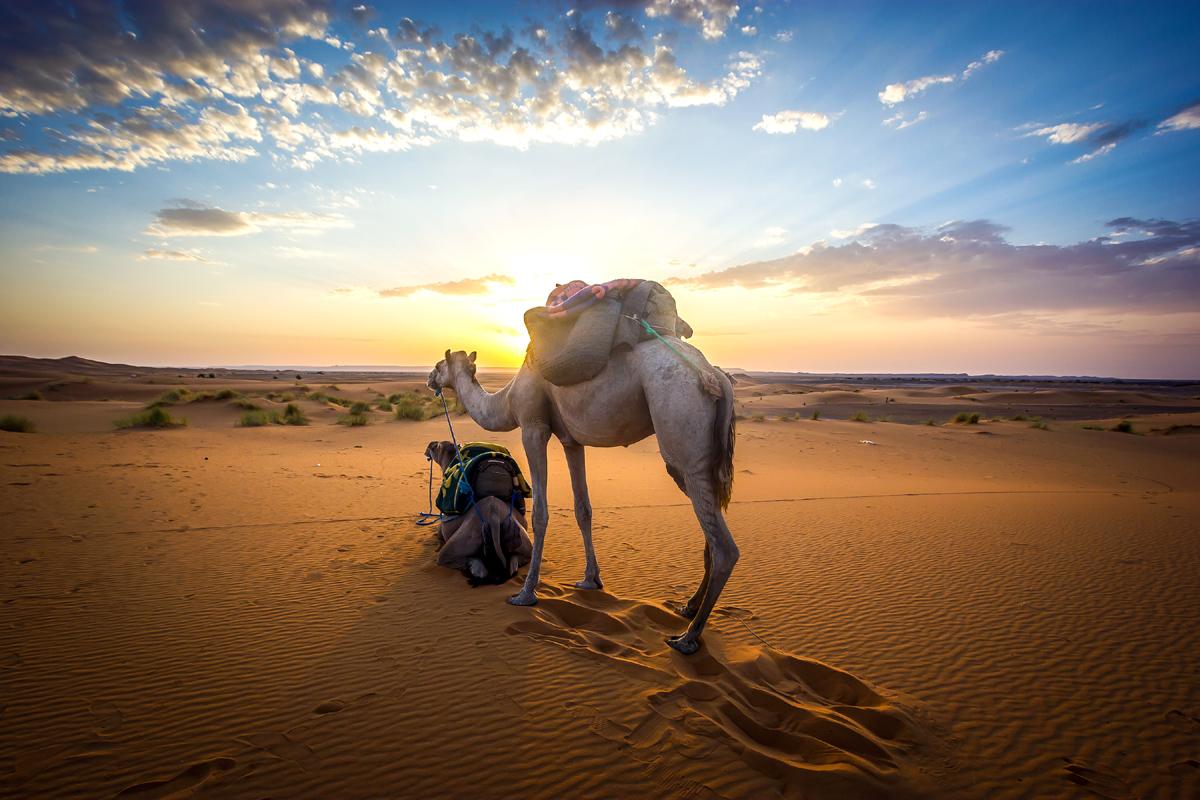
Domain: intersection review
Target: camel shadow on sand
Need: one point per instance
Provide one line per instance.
(807, 727)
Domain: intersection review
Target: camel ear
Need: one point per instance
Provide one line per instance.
(471, 357)
(447, 355)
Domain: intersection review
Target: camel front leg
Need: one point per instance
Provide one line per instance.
(534, 439)
(583, 515)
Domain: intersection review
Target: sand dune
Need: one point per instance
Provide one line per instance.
(226, 612)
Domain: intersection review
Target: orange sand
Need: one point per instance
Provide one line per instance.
(954, 611)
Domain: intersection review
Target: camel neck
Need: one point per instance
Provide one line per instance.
(490, 410)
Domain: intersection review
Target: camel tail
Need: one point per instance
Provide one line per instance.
(724, 434)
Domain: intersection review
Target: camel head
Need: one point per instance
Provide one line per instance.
(450, 367)
(443, 453)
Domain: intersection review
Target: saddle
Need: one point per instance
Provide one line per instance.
(485, 470)
(570, 350)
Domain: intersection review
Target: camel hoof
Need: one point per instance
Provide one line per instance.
(687, 612)
(683, 644)
(590, 583)
(523, 599)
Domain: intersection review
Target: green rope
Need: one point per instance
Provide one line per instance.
(650, 329)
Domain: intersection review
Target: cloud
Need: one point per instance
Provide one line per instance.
(68, 57)
(126, 86)
(899, 122)
(784, 36)
(622, 28)
(1186, 119)
(969, 268)
(749, 30)
(895, 93)
(190, 219)
(1099, 137)
(167, 254)
(990, 57)
(466, 286)
(711, 16)
(867, 183)
(792, 121)
(836, 182)
(1067, 132)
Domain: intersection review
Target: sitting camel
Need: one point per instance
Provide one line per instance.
(642, 390)
(488, 544)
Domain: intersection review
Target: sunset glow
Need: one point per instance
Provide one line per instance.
(874, 187)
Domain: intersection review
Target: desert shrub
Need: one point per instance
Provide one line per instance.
(353, 420)
(171, 397)
(816, 414)
(246, 403)
(322, 397)
(34, 395)
(153, 417)
(758, 418)
(359, 408)
(384, 405)
(1124, 426)
(860, 416)
(333, 387)
(963, 418)
(293, 415)
(410, 406)
(14, 424)
(256, 419)
(1039, 424)
(930, 422)
(226, 394)
(1018, 418)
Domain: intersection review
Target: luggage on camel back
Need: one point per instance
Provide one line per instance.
(486, 470)
(571, 337)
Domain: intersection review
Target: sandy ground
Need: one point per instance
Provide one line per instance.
(983, 610)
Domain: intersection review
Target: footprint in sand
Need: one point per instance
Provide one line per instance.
(788, 718)
(329, 707)
(186, 781)
(1099, 783)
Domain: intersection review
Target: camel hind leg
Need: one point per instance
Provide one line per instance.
(722, 556)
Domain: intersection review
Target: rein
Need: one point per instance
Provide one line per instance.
(430, 517)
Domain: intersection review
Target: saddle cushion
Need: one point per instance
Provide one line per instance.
(574, 349)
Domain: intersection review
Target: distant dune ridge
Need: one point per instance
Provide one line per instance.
(1003, 609)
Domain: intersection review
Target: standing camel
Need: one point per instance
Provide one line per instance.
(642, 391)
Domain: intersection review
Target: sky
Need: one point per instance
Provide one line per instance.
(976, 187)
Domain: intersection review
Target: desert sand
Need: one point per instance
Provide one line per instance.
(947, 610)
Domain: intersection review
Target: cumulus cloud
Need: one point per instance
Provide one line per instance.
(129, 86)
(711, 16)
(895, 93)
(969, 268)
(792, 121)
(193, 219)
(466, 286)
